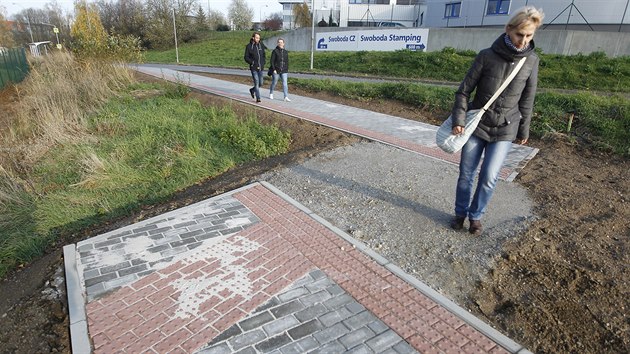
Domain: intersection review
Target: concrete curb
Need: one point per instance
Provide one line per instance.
(449, 305)
(79, 336)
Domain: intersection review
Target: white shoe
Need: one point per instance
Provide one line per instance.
(286, 99)
(271, 96)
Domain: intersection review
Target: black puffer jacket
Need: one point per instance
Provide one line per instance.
(280, 60)
(255, 55)
(509, 116)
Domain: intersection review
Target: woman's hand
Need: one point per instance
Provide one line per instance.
(521, 141)
(458, 130)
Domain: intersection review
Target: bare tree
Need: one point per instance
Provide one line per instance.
(216, 19)
(273, 22)
(240, 14)
(160, 22)
(302, 15)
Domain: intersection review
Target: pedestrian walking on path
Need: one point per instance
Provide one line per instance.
(280, 68)
(255, 57)
(507, 119)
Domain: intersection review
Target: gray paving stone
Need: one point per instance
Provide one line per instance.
(339, 301)
(234, 330)
(91, 273)
(404, 348)
(222, 348)
(310, 313)
(384, 340)
(173, 251)
(138, 261)
(355, 307)
(159, 230)
(292, 294)
(107, 243)
(256, 321)
(360, 349)
(305, 329)
(287, 309)
(317, 274)
(120, 281)
(330, 348)
(85, 248)
(331, 333)
(160, 248)
(144, 228)
(191, 234)
(315, 298)
(207, 235)
(269, 304)
(291, 348)
(273, 343)
(378, 326)
(307, 343)
(280, 325)
(135, 269)
(179, 243)
(319, 284)
(331, 318)
(359, 320)
(335, 290)
(248, 350)
(184, 224)
(192, 246)
(116, 235)
(232, 230)
(357, 337)
(246, 339)
(99, 279)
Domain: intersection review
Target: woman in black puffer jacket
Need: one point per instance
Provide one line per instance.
(506, 120)
(280, 68)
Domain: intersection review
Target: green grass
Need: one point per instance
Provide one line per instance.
(139, 152)
(594, 72)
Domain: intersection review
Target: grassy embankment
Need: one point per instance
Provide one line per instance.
(602, 119)
(84, 149)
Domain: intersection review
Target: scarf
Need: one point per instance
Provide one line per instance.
(511, 45)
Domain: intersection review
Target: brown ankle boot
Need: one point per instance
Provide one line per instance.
(475, 227)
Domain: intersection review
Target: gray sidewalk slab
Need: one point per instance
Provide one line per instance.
(403, 133)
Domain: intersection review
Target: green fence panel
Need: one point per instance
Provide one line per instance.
(13, 65)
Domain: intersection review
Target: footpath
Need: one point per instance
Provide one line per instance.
(253, 271)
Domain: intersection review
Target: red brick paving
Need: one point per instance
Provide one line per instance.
(144, 315)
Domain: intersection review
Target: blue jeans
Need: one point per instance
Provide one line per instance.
(495, 154)
(257, 75)
(285, 87)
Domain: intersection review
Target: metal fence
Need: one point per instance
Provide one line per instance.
(13, 65)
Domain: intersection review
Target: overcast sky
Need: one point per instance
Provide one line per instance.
(262, 8)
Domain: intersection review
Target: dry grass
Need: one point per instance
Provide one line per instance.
(52, 107)
(56, 98)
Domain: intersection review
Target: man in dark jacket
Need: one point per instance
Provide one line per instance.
(255, 57)
(506, 120)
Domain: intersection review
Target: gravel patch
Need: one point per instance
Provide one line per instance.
(399, 204)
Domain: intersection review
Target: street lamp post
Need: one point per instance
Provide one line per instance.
(260, 18)
(312, 33)
(175, 33)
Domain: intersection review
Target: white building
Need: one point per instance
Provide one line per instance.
(360, 13)
(597, 15)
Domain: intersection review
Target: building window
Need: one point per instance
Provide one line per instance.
(371, 2)
(407, 2)
(498, 7)
(287, 7)
(452, 9)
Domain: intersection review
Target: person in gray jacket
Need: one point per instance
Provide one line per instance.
(506, 120)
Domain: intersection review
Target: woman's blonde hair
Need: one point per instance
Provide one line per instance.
(525, 16)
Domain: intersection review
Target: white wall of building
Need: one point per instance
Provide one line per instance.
(473, 13)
